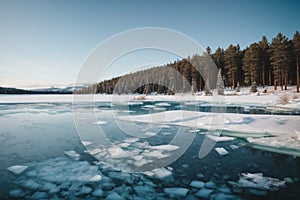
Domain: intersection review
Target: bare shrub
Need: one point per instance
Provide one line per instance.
(295, 96)
(141, 97)
(284, 99)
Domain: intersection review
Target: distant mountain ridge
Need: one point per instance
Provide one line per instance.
(50, 90)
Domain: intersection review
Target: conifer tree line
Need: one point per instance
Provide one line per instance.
(264, 63)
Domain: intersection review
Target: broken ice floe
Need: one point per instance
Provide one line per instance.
(73, 154)
(258, 181)
(197, 184)
(220, 138)
(162, 173)
(221, 151)
(17, 169)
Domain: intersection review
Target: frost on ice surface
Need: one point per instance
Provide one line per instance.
(221, 151)
(17, 169)
(258, 181)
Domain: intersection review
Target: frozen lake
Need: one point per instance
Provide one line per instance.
(58, 146)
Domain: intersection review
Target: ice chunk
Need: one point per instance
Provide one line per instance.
(220, 138)
(150, 133)
(258, 192)
(131, 140)
(114, 196)
(142, 162)
(51, 187)
(94, 151)
(156, 154)
(31, 184)
(222, 196)
(116, 152)
(86, 143)
(39, 195)
(124, 145)
(143, 190)
(84, 190)
(162, 173)
(98, 193)
(234, 147)
(185, 166)
(204, 193)
(100, 122)
(73, 154)
(96, 178)
(163, 104)
(17, 169)
(194, 130)
(210, 185)
(167, 147)
(170, 168)
(16, 193)
(221, 151)
(288, 180)
(176, 192)
(166, 133)
(197, 184)
(258, 181)
(149, 106)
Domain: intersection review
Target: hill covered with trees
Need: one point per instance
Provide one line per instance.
(263, 62)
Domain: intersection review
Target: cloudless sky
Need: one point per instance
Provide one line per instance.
(43, 43)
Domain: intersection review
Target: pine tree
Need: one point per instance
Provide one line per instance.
(220, 83)
(266, 72)
(296, 46)
(280, 60)
(251, 63)
(218, 58)
(186, 76)
(253, 87)
(231, 56)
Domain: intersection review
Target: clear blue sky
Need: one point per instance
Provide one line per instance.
(44, 43)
